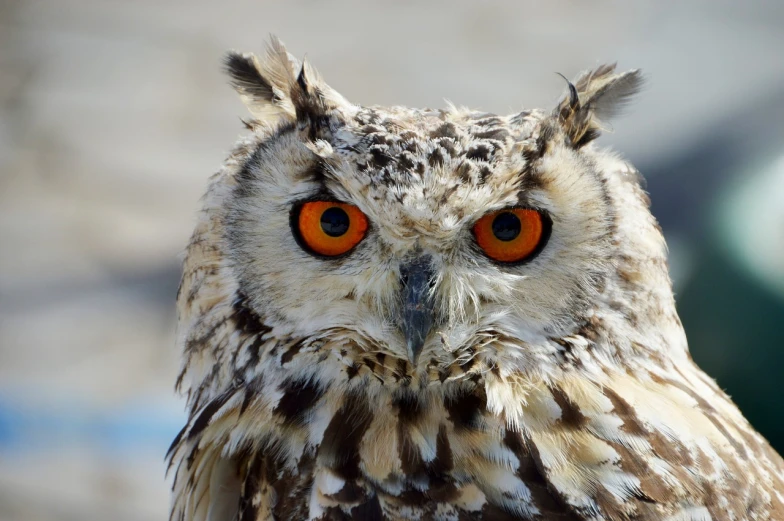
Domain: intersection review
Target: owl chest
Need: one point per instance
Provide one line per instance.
(410, 455)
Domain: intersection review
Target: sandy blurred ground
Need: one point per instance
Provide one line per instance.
(114, 113)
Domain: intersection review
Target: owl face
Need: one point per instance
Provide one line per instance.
(420, 231)
(391, 313)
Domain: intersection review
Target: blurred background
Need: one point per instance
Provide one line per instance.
(113, 114)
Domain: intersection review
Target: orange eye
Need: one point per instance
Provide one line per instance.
(329, 228)
(512, 235)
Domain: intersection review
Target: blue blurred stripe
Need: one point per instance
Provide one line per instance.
(141, 426)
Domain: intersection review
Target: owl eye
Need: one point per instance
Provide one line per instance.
(329, 228)
(512, 235)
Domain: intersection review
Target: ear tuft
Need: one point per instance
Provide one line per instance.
(306, 77)
(246, 78)
(264, 84)
(273, 91)
(596, 95)
(312, 97)
(607, 94)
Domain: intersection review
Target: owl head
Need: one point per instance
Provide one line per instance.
(427, 236)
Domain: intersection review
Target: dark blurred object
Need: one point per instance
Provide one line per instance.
(733, 320)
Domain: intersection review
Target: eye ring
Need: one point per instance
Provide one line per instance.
(513, 235)
(328, 229)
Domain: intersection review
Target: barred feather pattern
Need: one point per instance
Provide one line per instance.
(592, 410)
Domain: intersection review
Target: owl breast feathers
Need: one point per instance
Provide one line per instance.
(402, 314)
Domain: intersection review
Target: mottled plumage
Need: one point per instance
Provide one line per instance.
(557, 389)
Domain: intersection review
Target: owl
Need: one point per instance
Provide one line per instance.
(400, 314)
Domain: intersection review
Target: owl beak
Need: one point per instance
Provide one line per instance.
(417, 278)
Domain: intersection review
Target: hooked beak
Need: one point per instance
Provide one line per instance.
(416, 278)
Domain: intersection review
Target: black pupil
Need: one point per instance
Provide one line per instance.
(506, 226)
(334, 222)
